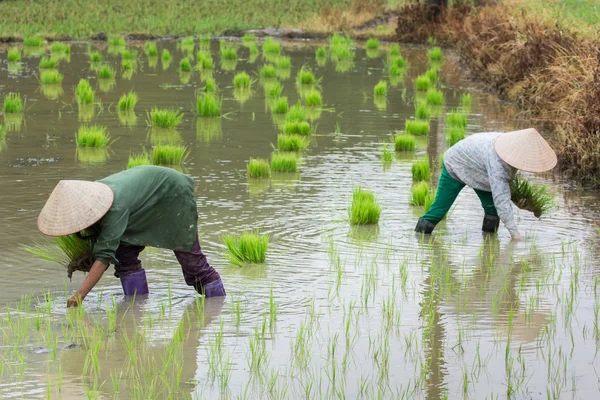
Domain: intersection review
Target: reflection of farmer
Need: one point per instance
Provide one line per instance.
(142, 206)
(487, 162)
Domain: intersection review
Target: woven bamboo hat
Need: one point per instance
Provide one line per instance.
(74, 206)
(525, 150)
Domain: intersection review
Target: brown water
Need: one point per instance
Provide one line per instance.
(361, 312)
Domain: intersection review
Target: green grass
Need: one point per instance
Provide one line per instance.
(284, 162)
(297, 128)
(33, 41)
(128, 65)
(313, 98)
(13, 103)
(292, 142)
(247, 248)
(208, 105)
(151, 49)
(268, 71)
(84, 92)
(165, 118)
(106, 72)
(187, 41)
(258, 168)
(465, 100)
(435, 54)
(418, 193)
(305, 76)
(454, 135)
(422, 111)
(136, 160)
(48, 63)
(435, 97)
(380, 88)
(416, 127)
(372, 44)
(228, 53)
(405, 142)
(169, 154)
(429, 198)
(92, 136)
(422, 83)
(205, 60)
(399, 63)
(283, 62)
(532, 197)
(420, 170)
(116, 41)
(280, 106)
(95, 57)
(364, 209)
(185, 65)
(273, 91)
(166, 55)
(14, 55)
(432, 75)
(249, 38)
(271, 46)
(51, 77)
(456, 119)
(321, 52)
(128, 101)
(210, 86)
(242, 80)
(387, 156)
(395, 50)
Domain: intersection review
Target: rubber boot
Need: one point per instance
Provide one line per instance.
(491, 223)
(424, 226)
(134, 283)
(213, 289)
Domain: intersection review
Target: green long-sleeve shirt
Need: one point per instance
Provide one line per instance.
(153, 206)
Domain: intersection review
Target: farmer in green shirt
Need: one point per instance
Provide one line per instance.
(124, 212)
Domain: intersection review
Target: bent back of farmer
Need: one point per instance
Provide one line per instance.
(142, 206)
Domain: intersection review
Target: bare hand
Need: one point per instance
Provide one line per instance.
(517, 237)
(74, 301)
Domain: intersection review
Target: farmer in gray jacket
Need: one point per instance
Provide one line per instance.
(488, 162)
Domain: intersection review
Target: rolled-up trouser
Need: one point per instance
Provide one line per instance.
(197, 272)
(447, 191)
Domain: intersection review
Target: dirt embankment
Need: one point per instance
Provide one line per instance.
(552, 74)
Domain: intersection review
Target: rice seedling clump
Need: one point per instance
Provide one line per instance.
(151, 49)
(59, 47)
(454, 135)
(210, 86)
(92, 136)
(51, 77)
(166, 55)
(34, 41)
(106, 72)
(465, 99)
(268, 71)
(387, 156)
(364, 209)
(380, 89)
(271, 46)
(296, 113)
(405, 142)
(116, 41)
(395, 50)
(128, 101)
(284, 162)
(456, 119)
(185, 65)
(138, 159)
(208, 106)
(249, 38)
(165, 118)
(422, 82)
(205, 60)
(305, 76)
(274, 90)
(84, 92)
(432, 75)
(13, 103)
(429, 199)
(422, 111)
(417, 127)
(283, 62)
(247, 248)
(321, 52)
(73, 251)
(95, 57)
(435, 54)
(168, 154)
(313, 98)
(530, 196)
(291, 142)
(418, 193)
(127, 65)
(435, 97)
(297, 128)
(48, 63)
(420, 170)
(228, 53)
(242, 80)
(280, 106)
(14, 55)
(258, 168)
(372, 44)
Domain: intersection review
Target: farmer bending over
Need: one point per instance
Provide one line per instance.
(142, 206)
(488, 162)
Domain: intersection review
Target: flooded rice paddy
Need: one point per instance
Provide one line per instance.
(337, 311)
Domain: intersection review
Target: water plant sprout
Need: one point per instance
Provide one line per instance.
(531, 196)
(106, 72)
(208, 105)
(14, 55)
(210, 86)
(420, 170)
(205, 60)
(258, 168)
(380, 89)
(373, 44)
(268, 71)
(405, 142)
(228, 53)
(435, 54)
(138, 159)
(284, 162)
(128, 101)
(151, 49)
(185, 65)
(247, 248)
(165, 118)
(84, 92)
(292, 142)
(92, 136)
(321, 52)
(272, 47)
(51, 77)
(417, 127)
(166, 55)
(418, 193)
(95, 57)
(364, 209)
(48, 63)
(242, 80)
(273, 91)
(422, 111)
(13, 103)
(305, 76)
(387, 156)
(169, 154)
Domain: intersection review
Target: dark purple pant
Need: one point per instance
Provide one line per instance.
(197, 271)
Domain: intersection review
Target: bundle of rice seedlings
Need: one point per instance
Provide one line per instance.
(456, 119)
(33, 41)
(51, 77)
(321, 52)
(429, 199)
(280, 106)
(297, 128)
(435, 54)
(417, 127)
(418, 193)
(466, 99)
(249, 38)
(313, 98)
(271, 46)
(373, 44)
(395, 50)
(185, 65)
(242, 80)
(292, 142)
(387, 156)
(205, 60)
(258, 168)
(169, 154)
(283, 62)
(273, 91)
(531, 196)
(128, 101)
(380, 89)
(166, 55)
(305, 76)
(84, 92)
(138, 159)
(422, 111)
(92, 136)
(405, 142)
(71, 250)
(284, 162)
(208, 106)
(58, 48)
(151, 49)
(165, 118)
(48, 63)
(420, 170)
(454, 135)
(13, 103)
(422, 82)
(364, 209)
(128, 65)
(247, 248)
(432, 75)
(14, 55)
(435, 97)
(210, 86)
(228, 53)
(116, 41)
(106, 72)
(268, 71)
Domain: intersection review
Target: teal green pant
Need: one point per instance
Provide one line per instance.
(447, 191)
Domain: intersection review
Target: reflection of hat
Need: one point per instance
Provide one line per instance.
(525, 150)
(74, 206)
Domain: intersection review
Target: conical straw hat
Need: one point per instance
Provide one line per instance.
(74, 206)
(525, 150)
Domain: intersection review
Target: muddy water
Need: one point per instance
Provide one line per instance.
(361, 312)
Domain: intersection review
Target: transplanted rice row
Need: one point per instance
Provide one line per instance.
(420, 170)
(292, 142)
(247, 248)
(92, 136)
(169, 154)
(364, 209)
(165, 118)
(258, 168)
(405, 142)
(13, 103)
(284, 162)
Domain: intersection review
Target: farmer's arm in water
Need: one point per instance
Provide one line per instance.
(500, 175)
(88, 284)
